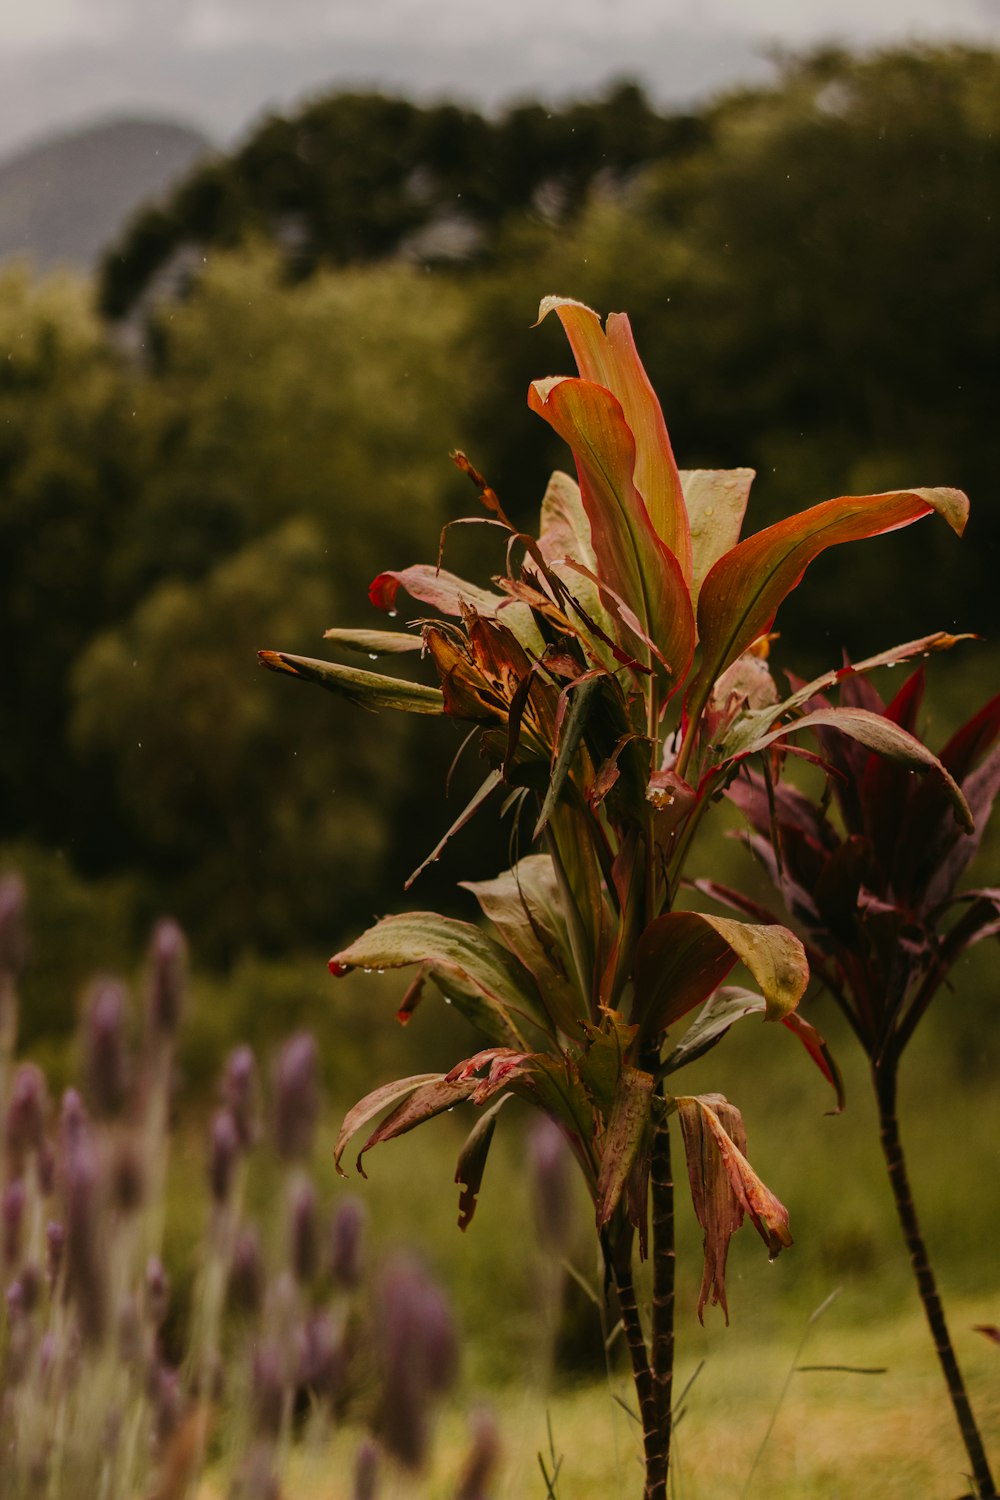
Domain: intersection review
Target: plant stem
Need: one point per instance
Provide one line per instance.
(884, 1078)
(642, 1375)
(662, 1185)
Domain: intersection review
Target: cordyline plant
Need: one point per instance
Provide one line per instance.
(874, 895)
(616, 675)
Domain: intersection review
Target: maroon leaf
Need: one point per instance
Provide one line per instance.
(472, 1162)
(423, 1104)
(372, 1104)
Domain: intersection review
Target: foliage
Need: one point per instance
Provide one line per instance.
(360, 177)
(874, 892)
(610, 738)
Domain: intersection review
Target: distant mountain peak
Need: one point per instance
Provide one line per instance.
(66, 197)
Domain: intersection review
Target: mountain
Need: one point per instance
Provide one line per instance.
(65, 199)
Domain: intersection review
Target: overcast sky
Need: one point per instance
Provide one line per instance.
(219, 64)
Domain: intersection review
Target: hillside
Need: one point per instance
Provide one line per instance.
(65, 199)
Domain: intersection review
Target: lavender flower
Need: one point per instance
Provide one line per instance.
(246, 1271)
(366, 1471)
(552, 1186)
(167, 978)
(239, 1091)
(296, 1097)
(223, 1156)
(482, 1458)
(304, 1230)
(347, 1243)
(104, 1045)
(24, 1127)
(419, 1358)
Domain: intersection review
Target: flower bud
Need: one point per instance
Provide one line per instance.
(86, 1254)
(55, 1239)
(127, 1176)
(157, 1291)
(321, 1360)
(223, 1155)
(366, 1471)
(246, 1272)
(304, 1229)
(167, 978)
(105, 1049)
(167, 1400)
(239, 1092)
(24, 1127)
(296, 1097)
(552, 1185)
(269, 1388)
(13, 1202)
(419, 1358)
(347, 1243)
(481, 1460)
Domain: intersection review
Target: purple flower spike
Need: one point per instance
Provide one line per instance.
(347, 1243)
(167, 977)
(223, 1156)
(296, 1097)
(551, 1180)
(239, 1091)
(104, 1042)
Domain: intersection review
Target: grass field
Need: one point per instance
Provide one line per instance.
(825, 1433)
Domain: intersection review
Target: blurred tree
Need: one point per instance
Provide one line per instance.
(71, 444)
(359, 177)
(254, 841)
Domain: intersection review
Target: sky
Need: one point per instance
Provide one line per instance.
(221, 64)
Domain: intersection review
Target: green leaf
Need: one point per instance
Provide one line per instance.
(472, 1161)
(608, 357)
(632, 560)
(368, 689)
(372, 1104)
(374, 642)
(742, 592)
(626, 1130)
(523, 905)
(721, 1011)
(464, 962)
(682, 956)
(716, 501)
(603, 1057)
(880, 734)
(581, 698)
(490, 785)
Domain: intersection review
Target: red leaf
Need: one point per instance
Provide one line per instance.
(742, 593)
(610, 358)
(820, 1053)
(632, 559)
